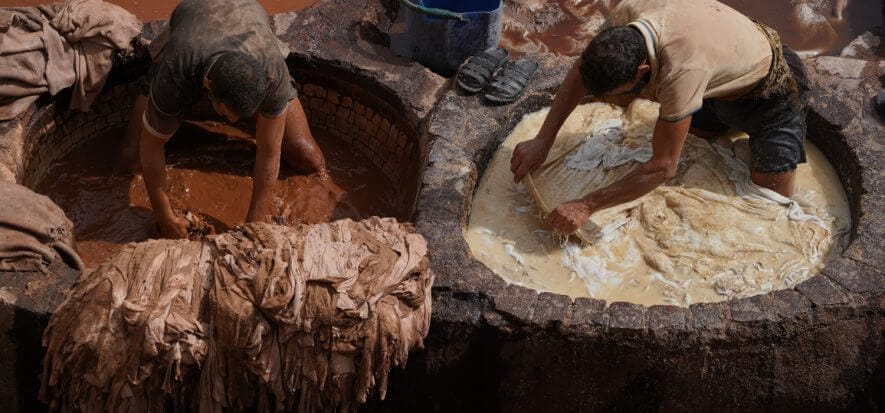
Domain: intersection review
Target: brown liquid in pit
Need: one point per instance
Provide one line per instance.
(560, 31)
(149, 10)
(209, 175)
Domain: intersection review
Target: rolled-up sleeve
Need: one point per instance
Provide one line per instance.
(158, 123)
(166, 103)
(682, 93)
(280, 91)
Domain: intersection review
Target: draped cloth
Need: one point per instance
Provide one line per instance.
(264, 317)
(34, 231)
(63, 45)
(710, 222)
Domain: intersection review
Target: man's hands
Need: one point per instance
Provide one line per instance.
(528, 156)
(570, 216)
(268, 140)
(667, 144)
(153, 161)
(171, 226)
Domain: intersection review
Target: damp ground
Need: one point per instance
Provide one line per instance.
(564, 26)
(148, 10)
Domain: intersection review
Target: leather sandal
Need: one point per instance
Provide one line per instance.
(477, 70)
(510, 81)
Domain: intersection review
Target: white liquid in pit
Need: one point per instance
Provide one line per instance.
(699, 238)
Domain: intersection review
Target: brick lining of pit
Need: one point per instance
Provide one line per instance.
(367, 118)
(494, 346)
(341, 108)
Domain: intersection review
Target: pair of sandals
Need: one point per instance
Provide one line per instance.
(503, 80)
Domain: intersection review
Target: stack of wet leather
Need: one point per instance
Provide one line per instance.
(34, 232)
(264, 318)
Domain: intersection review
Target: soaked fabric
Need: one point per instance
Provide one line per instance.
(262, 318)
(707, 235)
(74, 47)
(34, 232)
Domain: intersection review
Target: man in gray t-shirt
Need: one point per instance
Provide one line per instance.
(226, 50)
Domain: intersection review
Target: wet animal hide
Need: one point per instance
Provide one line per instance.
(261, 318)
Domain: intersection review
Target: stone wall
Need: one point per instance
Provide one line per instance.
(818, 345)
(54, 131)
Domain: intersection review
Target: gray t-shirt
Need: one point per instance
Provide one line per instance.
(199, 31)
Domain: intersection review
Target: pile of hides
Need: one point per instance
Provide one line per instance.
(262, 318)
(708, 224)
(53, 47)
(582, 164)
(34, 231)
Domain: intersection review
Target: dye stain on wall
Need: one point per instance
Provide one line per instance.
(210, 167)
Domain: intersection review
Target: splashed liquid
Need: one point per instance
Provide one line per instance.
(565, 26)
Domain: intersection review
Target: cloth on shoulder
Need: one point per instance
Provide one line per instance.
(262, 318)
(53, 47)
(34, 231)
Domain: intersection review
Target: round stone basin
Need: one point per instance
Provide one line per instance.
(695, 239)
(371, 154)
(367, 125)
(504, 346)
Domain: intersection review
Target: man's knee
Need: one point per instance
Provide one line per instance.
(781, 182)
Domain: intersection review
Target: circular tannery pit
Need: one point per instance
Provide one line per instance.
(494, 345)
(372, 156)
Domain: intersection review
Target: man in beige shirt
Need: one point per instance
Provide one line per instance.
(711, 69)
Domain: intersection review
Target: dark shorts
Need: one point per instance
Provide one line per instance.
(776, 125)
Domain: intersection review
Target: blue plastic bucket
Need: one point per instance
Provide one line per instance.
(441, 34)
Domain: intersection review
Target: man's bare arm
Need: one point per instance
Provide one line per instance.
(268, 140)
(153, 167)
(666, 149)
(529, 155)
(666, 146)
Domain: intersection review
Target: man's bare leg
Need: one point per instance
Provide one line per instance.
(781, 183)
(299, 148)
(129, 154)
(705, 134)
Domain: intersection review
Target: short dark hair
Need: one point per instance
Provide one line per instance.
(611, 59)
(238, 81)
